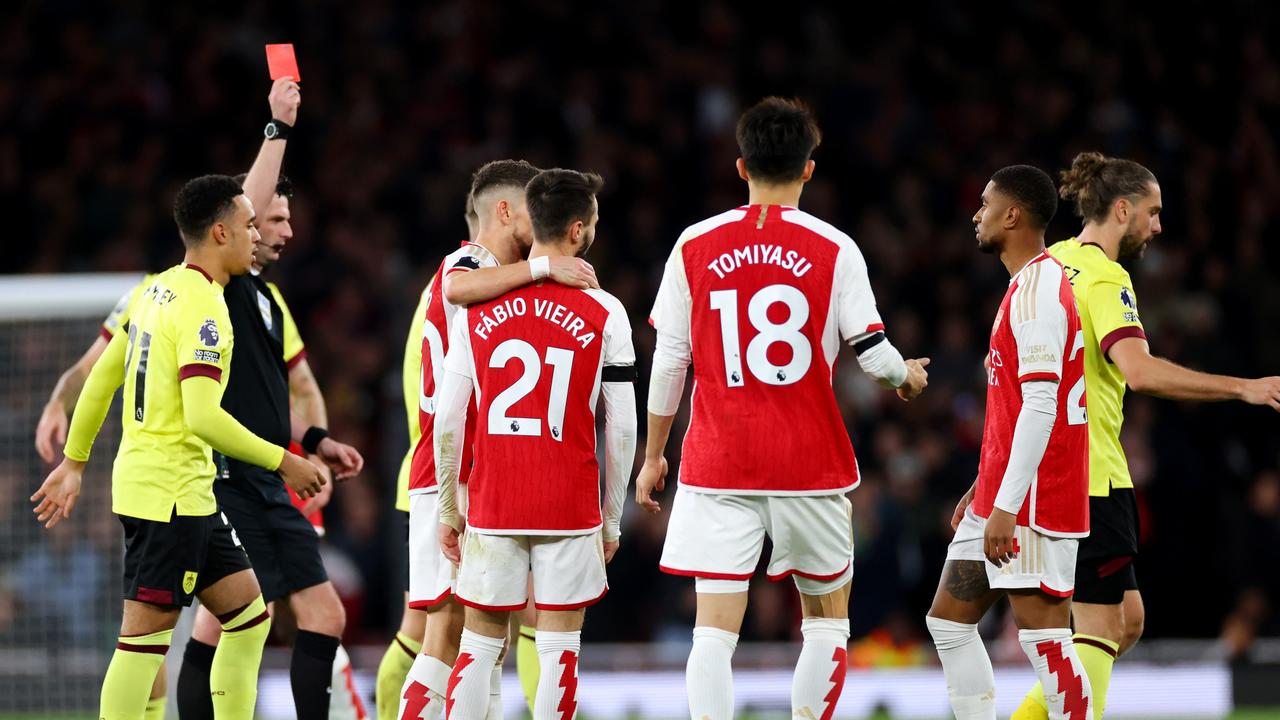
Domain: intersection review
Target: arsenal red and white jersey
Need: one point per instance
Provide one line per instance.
(1037, 336)
(435, 344)
(536, 356)
(762, 296)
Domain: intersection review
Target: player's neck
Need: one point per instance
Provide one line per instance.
(207, 260)
(503, 246)
(1102, 236)
(546, 250)
(1016, 255)
(789, 194)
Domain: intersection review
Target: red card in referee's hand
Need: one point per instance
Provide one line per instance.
(281, 62)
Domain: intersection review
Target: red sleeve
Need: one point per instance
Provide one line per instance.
(200, 370)
(293, 361)
(1117, 335)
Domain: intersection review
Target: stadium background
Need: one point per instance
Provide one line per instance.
(106, 108)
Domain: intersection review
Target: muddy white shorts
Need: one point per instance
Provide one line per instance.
(430, 572)
(720, 537)
(1044, 562)
(568, 571)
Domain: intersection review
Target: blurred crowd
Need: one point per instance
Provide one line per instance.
(106, 108)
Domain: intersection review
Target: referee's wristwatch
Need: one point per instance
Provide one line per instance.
(276, 130)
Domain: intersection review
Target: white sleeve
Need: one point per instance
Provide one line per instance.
(458, 359)
(855, 302)
(881, 360)
(618, 349)
(1030, 439)
(674, 349)
(619, 451)
(1039, 323)
(449, 431)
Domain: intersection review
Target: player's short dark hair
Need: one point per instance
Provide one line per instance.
(500, 174)
(284, 186)
(1096, 181)
(557, 198)
(776, 137)
(201, 203)
(1031, 189)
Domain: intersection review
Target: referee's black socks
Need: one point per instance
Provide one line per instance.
(311, 673)
(194, 701)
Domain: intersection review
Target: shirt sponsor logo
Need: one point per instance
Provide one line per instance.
(209, 333)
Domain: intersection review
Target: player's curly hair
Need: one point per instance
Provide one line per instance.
(776, 137)
(1032, 190)
(558, 198)
(1096, 181)
(201, 203)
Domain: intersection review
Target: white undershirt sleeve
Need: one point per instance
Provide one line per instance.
(1030, 439)
(619, 451)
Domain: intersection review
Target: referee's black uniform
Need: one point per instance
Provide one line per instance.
(282, 544)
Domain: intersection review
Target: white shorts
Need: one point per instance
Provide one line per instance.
(720, 537)
(431, 574)
(1044, 562)
(568, 571)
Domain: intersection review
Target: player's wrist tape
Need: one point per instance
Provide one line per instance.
(312, 439)
(540, 267)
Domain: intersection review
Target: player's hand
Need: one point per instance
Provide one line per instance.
(917, 379)
(322, 498)
(51, 431)
(962, 506)
(998, 543)
(653, 476)
(611, 549)
(301, 475)
(1263, 391)
(574, 272)
(284, 100)
(57, 494)
(449, 545)
(345, 461)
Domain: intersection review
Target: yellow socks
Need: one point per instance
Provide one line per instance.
(527, 666)
(133, 668)
(391, 673)
(233, 677)
(1097, 655)
(155, 709)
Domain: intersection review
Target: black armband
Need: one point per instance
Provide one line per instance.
(467, 262)
(312, 438)
(866, 344)
(618, 374)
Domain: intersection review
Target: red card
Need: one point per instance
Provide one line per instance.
(281, 62)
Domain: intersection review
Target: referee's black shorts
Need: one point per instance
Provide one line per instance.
(167, 563)
(1104, 565)
(282, 544)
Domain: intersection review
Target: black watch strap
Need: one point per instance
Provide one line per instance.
(277, 130)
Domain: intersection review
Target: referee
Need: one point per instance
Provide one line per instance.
(282, 544)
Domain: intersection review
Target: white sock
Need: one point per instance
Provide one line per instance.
(422, 696)
(820, 671)
(557, 697)
(708, 677)
(467, 696)
(971, 684)
(1066, 686)
(342, 703)
(495, 694)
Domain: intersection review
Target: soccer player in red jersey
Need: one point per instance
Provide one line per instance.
(1030, 505)
(758, 299)
(537, 359)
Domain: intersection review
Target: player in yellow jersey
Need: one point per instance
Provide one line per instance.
(173, 364)
(1119, 201)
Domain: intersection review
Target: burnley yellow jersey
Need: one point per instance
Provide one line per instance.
(412, 390)
(1108, 313)
(178, 328)
(119, 316)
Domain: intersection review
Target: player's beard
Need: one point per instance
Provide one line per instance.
(1132, 246)
(988, 246)
(586, 244)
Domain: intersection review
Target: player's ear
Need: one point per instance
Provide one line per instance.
(218, 231)
(807, 175)
(503, 209)
(1012, 216)
(1121, 210)
(742, 169)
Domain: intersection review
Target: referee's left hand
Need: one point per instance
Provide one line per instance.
(344, 460)
(57, 495)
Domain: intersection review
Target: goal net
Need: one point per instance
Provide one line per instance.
(59, 588)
